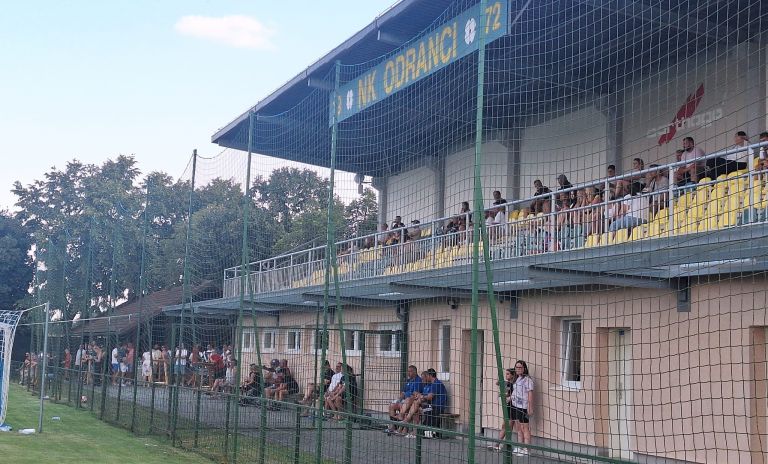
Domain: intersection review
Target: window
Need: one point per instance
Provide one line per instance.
(389, 342)
(293, 341)
(352, 340)
(247, 341)
(320, 340)
(268, 341)
(571, 357)
(444, 350)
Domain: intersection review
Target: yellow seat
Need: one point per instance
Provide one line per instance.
(639, 232)
(621, 236)
(592, 241)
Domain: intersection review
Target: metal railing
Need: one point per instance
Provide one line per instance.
(736, 199)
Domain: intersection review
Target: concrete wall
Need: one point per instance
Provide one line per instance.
(573, 144)
(695, 393)
(732, 101)
(459, 175)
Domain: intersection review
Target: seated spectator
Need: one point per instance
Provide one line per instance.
(334, 394)
(252, 382)
(564, 183)
(414, 231)
(631, 212)
(368, 242)
(538, 205)
(731, 162)
(430, 403)
(383, 235)
(656, 182)
(763, 155)
(315, 390)
(459, 222)
(226, 383)
(638, 180)
(692, 172)
(351, 395)
(397, 223)
(497, 199)
(403, 403)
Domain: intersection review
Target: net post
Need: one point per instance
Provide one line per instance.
(44, 367)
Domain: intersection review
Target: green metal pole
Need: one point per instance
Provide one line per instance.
(330, 257)
(142, 287)
(186, 296)
(244, 280)
(45, 363)
(478, 214)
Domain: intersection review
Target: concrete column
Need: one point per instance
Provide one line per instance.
(511, 140)
(612, 106)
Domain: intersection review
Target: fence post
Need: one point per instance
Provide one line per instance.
(45, 364)
(297, 438)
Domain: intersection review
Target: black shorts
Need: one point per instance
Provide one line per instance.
(517, 414)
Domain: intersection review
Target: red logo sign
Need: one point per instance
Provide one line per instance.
(685, 112)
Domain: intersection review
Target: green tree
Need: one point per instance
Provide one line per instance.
(361, 215)
(15, 264)
(289, 192)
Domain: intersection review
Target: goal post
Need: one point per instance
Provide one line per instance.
(8, 322)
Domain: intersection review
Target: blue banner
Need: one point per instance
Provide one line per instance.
(435, 50)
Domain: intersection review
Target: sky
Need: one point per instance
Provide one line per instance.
(92, 80)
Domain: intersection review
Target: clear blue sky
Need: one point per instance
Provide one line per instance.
(91, 79)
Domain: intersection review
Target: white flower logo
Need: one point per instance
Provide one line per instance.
(350, 99)
(469, 31)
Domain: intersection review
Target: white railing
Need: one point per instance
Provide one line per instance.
(738, 199)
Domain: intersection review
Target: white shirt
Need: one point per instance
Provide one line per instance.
(741, 156)
(500, 218)
(79, 357)
(520, 390)
(695, 152)
(636, 206)
(114, 356)
(181, 361)
(335, 381)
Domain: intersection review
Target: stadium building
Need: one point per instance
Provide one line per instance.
(637, 297)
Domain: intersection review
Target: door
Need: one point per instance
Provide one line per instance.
(619, 387)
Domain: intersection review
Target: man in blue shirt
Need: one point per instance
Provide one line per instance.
(434, 401)
(429, 404)
(413, 384)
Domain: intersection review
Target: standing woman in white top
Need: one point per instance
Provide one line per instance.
(522, 405)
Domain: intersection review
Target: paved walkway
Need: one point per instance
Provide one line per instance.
(369, 445)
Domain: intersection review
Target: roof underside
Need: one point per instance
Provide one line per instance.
(557, 54)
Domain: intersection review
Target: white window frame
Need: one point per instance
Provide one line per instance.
(356, 339)
(264, 347)
(248, 336)
(296, 347)
(315, 348)
(444, 351)
(566, 372)
(395, 341)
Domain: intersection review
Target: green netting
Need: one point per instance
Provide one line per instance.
(512, 181)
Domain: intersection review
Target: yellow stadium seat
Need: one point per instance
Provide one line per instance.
(639, 232)
(621, 236)
(592, 241)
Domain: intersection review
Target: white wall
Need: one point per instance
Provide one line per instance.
(412, 195)
(573, 144)
(460, 175)
(731, 102)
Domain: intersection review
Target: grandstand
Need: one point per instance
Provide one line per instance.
(646, 340)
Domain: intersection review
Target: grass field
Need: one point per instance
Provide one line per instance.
(78, 437)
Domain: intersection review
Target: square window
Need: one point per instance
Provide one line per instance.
(248, 341)
(390, 338)
(352, 340)
(320, 340)
(293, 341)
(268, 341)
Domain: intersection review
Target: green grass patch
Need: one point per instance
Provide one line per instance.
(78, 437)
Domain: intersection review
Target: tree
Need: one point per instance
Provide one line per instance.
(15, 264)
(361, 215)
(289, 192)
